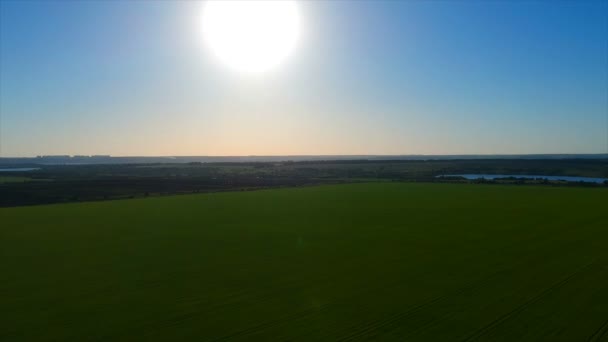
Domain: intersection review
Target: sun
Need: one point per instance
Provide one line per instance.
(251, 35)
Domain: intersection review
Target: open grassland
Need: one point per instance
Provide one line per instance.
(385, 261)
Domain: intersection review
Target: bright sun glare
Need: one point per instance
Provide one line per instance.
(251, 36)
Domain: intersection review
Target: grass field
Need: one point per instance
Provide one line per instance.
(13, 179)
(385, 261)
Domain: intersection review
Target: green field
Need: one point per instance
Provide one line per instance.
(13, 179)
(385, 261)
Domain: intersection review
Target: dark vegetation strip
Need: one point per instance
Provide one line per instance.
(74, 183)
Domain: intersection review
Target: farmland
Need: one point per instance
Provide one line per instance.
(368, 261)
(94, 182)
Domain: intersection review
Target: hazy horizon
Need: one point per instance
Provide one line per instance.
(297, 155)
(365, 78)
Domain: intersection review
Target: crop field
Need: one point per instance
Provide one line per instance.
(375, 261)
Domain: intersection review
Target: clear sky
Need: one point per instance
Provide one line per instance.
(367, 77)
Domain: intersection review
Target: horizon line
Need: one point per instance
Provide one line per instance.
(299, 155)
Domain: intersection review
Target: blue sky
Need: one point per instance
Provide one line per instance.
(367, 77)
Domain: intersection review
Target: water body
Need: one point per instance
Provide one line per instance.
(20, 169)
(551, 178)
